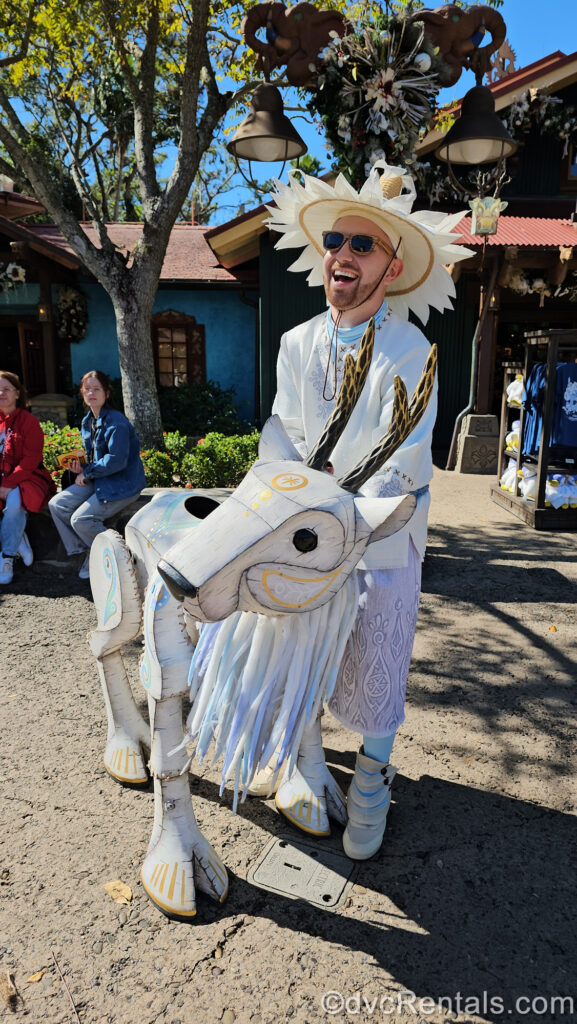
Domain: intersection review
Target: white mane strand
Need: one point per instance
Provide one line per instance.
(257, 681)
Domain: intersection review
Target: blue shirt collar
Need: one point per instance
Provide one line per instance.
(350, 335)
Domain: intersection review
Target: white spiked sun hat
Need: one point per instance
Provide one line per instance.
(308, 206)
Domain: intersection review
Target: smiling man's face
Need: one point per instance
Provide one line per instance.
(355, 282)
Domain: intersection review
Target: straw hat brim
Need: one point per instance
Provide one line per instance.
(416, 249)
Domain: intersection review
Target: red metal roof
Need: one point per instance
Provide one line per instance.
(526, 232)
(188, 258)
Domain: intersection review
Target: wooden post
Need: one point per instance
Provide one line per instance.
(486, 349)
(47, 326)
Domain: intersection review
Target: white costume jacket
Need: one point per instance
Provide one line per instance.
(400, 348)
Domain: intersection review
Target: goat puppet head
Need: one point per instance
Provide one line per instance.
(290, 535)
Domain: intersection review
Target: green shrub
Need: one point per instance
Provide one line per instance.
(219, 461)
(216, 461)
(158, 468)
(177, 446)
(197, 408)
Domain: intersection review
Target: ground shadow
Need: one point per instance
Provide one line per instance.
(507, 660)
(483, 893)
(43, 579)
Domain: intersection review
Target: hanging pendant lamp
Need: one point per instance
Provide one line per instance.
(478, 136)
(266, 134)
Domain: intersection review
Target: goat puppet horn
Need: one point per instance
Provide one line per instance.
(404, 419)
(354, 377)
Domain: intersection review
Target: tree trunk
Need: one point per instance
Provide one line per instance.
(133, 310)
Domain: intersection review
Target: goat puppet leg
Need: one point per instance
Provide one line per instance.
(179, 859)
(308, 795)
(118, 603)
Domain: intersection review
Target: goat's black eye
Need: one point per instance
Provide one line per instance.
(305, 540)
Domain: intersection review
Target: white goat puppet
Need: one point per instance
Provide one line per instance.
(286, 541)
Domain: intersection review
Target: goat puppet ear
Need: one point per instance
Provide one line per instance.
(385, 516)
(275, 444)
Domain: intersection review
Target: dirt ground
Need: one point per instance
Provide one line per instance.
(466, 914)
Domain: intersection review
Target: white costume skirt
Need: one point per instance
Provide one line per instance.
(369, 693)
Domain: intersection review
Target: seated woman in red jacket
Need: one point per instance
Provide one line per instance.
(25, 485)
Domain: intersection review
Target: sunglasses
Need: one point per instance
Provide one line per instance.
(361, 245)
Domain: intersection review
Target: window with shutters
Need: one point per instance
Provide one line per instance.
(179, 349)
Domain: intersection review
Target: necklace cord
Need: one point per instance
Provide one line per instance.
(332, 345)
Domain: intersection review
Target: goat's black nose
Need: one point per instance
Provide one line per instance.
(178, 586)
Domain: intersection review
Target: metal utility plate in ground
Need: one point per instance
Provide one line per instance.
(304, 869)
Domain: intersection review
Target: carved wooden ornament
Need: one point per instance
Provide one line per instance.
(294, 36)
(458, 33)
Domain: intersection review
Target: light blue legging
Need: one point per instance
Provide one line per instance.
(12, 524)
(379, 749)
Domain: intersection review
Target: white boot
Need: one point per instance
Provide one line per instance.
(310, 794)
(368, 802)
(25, 551)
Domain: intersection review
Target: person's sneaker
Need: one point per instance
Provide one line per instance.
(84, 571)
(25, 551)
(6, 569)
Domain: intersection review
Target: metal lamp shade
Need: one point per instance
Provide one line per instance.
(266, 133)
(478, 136)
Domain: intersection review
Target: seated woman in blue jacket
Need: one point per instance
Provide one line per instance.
(111, 479)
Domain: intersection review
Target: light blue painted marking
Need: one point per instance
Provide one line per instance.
(109, 563)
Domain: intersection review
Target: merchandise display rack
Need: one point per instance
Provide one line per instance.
(555, 344)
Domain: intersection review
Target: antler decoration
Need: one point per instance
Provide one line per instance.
(404, 419)
(354, 377)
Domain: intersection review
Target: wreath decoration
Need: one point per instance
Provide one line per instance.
(71, 314)
(536, 108)
(11, 274)
(568, 289)
(524, 282)
(375, 91)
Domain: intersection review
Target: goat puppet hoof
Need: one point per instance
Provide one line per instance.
(171, 878)
(124, 761)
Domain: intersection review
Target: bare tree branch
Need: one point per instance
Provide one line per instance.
(14, 121)
(144, 112)
(78, 176)
(103, 263)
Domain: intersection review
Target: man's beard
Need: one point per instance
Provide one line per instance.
(359, 291)
(356, 295)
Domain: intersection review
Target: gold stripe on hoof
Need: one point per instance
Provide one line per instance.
(175, 874)
(292, 814)
(123, 765)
